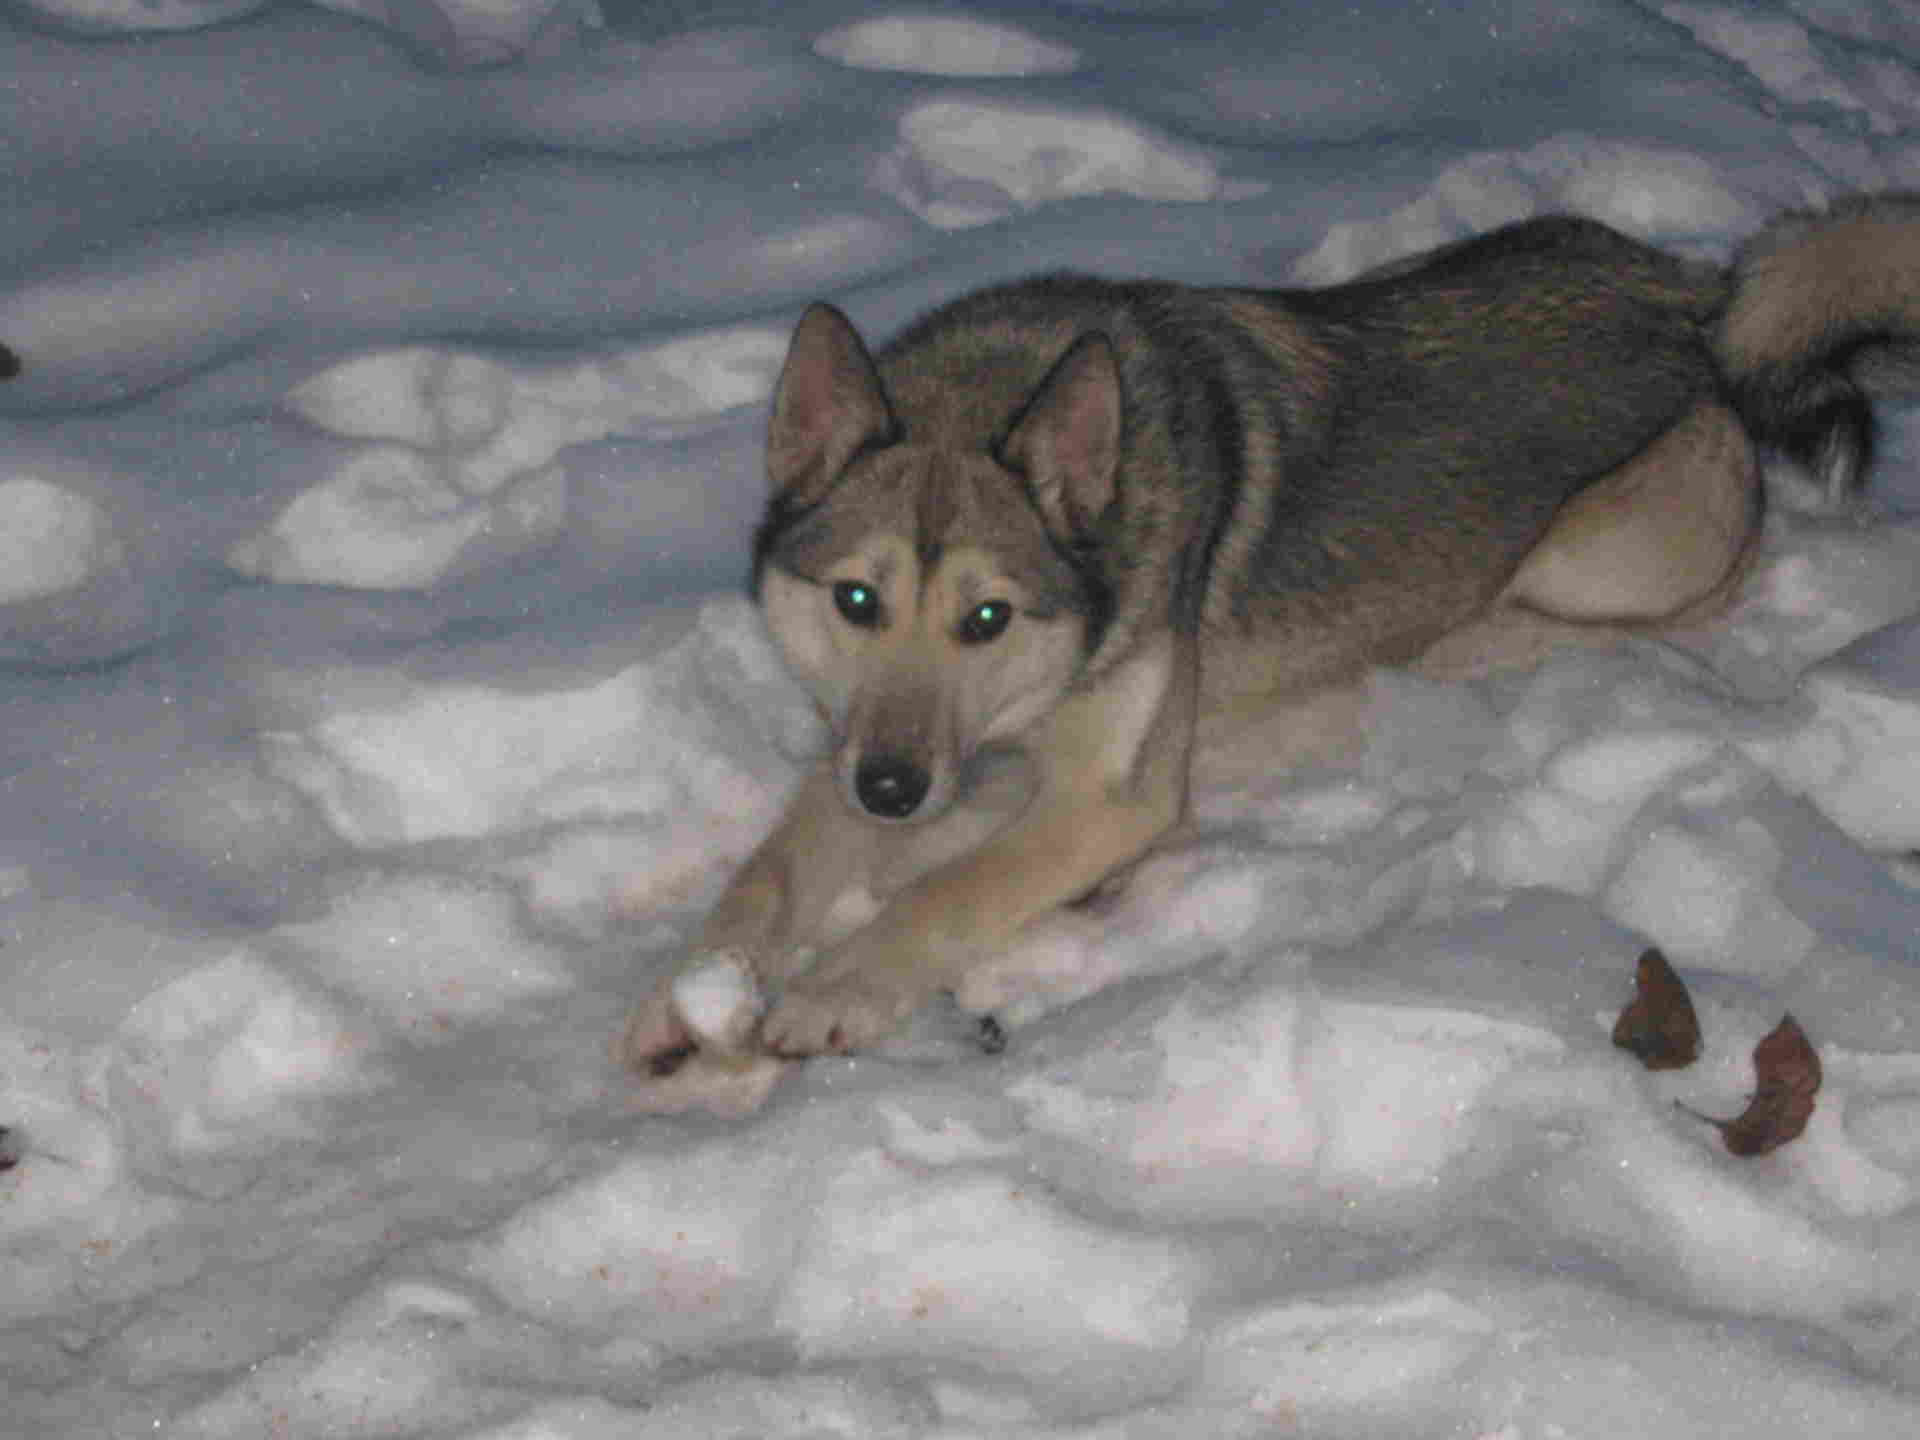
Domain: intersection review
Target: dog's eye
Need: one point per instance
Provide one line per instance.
(858, 604)
(985, 622)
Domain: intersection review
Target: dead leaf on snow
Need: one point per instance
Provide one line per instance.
(1659, 1025)
(1789, 1076)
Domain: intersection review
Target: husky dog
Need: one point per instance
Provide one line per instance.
(1080, 526)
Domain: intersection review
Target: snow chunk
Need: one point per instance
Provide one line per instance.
(225, 1056)
(1835, 588)
(719, 1000)
(978, 1266)
(1316, 1363)
(1858, 758)
(73, 1187)
(1636, 188)
(1564, 832)
(51, 539)
(459, 402)
(464, 761)
(94, 17)
(962, 162)
(460, 467)
(1401, 1091)
(417, 395)
(945, 45)
(428, 952)
(390, 519)
(676, 1247)
(1888, 1132)
(1657, 1197)
(1235, 1104)
(1709, 900)
(394, 1362)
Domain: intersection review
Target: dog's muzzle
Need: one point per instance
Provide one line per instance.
(890, 788)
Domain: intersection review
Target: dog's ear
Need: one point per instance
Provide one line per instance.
(828, 406)
(1067, 439)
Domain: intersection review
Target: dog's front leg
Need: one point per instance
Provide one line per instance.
(1111, 779)
(774, 905)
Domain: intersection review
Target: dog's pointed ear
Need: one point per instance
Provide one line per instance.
(828, 406)
(1067, 440)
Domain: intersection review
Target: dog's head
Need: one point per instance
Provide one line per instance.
(934, 597)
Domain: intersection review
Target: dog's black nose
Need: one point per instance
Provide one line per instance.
(890, 788)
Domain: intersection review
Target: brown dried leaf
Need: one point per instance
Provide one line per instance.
(1789, 1073)
(1659, 1025)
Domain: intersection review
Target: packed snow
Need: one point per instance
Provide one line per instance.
(383, 711)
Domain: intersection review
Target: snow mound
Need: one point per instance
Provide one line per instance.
(1388, 1358)
(1243, 1098)
(137, 16)
(428, 955)
(463, 32)
(461, 761)
(459, 465)
(390, 519)
(389, 1360)
(949, 45)
(1858, 757)
(1637, 188)
(51, 539)
(901, 1264)
(655, 1249)
(222, 1058)
(965, 162)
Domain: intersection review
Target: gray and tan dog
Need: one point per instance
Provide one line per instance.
(1074, 529)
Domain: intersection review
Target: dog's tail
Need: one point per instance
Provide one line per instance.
(1815, 296)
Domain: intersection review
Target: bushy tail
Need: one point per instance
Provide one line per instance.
(1814, 296)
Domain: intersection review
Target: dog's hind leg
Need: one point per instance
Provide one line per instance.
(1665, 539)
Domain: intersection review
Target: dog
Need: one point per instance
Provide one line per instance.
(1037, 554)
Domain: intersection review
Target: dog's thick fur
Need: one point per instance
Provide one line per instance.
(1036, 553)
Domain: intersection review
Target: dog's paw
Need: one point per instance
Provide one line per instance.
(689, 1042)
(711, 1007)
(832, 1014)
(656, 1041)
(732, 1087)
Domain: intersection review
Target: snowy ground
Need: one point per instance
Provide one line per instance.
(381, 712)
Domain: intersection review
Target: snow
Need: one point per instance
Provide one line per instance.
(382, 714)
(55, 539)
(962, 163)
(949, 45)
(719, 1000)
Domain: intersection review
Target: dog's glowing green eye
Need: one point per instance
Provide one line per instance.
(858, 604)
(985, 622)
